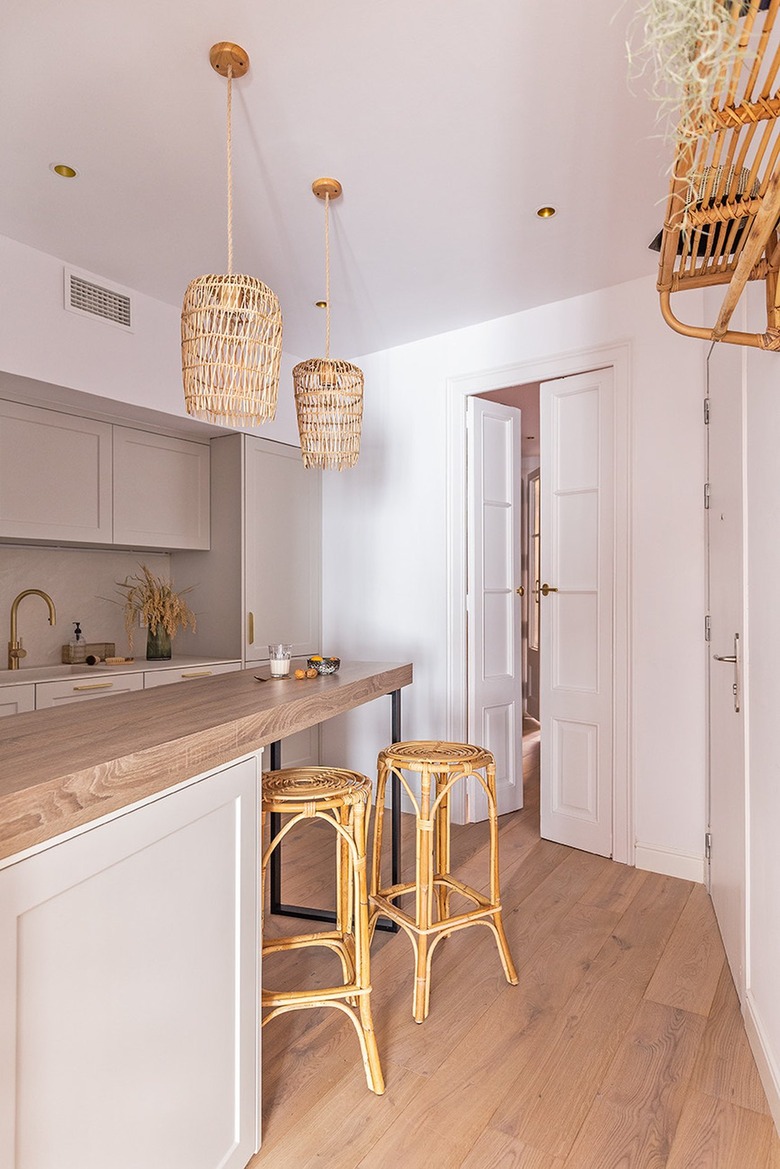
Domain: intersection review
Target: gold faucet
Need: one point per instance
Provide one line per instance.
(15, 651)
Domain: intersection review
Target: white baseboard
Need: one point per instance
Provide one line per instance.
(765, 1061)
(670, 863)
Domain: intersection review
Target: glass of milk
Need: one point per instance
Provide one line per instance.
(280, 655)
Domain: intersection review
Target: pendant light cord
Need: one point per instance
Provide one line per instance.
(327, 276)
(230, 169)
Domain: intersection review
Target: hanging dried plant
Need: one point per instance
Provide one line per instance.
(153, 601)
(690, 45)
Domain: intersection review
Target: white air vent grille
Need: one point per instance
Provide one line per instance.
(96, 300)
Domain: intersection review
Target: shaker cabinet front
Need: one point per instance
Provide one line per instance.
(161, 490)
(55, 476)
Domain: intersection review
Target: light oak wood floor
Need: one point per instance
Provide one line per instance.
(622, 1047)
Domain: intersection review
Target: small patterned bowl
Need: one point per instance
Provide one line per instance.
(324, 665)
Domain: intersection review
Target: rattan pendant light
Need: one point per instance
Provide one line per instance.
(328, 393)
(231, 325)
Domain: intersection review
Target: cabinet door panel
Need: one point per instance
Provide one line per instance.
(283, 525)
(128, 988)
(55, 476)
(161, 490)
(15, 699)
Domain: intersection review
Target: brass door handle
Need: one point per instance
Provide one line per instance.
(251, 631)
(521, 591)
(725, 657)
(548, 589)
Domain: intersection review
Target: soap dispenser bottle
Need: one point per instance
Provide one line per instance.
(78, 645)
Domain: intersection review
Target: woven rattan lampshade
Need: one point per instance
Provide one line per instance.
(231, 325)
(328, 392)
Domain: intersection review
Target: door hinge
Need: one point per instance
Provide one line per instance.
(706, 411)
(708, 845)
(707, 627)
(706, 496)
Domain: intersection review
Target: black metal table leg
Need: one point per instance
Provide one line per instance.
(309, 913)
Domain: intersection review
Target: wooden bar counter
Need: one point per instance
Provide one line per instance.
(60, 769)
(130, 918)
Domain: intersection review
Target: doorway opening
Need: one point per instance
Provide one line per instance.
(575, 735)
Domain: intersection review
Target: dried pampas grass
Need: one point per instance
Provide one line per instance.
(153, 601)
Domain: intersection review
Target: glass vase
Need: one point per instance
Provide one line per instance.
(158, 644)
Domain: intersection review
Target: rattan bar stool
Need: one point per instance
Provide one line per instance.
(342, 799)
(440, 766)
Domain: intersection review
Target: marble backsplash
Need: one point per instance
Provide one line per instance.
(82, 583)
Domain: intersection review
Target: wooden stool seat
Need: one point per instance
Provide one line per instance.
(342, 799)
(440, 766)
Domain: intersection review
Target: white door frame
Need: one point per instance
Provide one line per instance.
(546, 369)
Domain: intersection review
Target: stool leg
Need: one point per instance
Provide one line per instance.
(495, 892)
(442, 850)
(423, 898)
(376, 856)
(373, 1067)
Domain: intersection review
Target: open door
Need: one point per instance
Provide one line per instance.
(493, 605)
(576, 593)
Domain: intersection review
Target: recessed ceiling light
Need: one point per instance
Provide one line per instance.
(320, 304)
(64, 171)
(546, 212)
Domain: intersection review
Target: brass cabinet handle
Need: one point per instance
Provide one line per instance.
(95, 686)
(251, 633)
(197, 674)
(521, 591)
(725, 657)
(548, 589)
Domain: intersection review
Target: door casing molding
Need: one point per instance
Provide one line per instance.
(457, 389)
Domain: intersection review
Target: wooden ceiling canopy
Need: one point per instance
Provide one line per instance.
(722, 213)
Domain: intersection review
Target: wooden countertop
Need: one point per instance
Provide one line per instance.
(65, 767)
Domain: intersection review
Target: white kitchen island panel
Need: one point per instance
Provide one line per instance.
(129, 987)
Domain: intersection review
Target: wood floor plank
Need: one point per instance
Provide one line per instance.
(340, 1125)
(588, 1031)
(635, 1115)
(774, 1152)
(495, 1150)
(616, 888)
(715, 1135)
(725, 1066)
(455, 1103)
(688, 973)
(467, 974)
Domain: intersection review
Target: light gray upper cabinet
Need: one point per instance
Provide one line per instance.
(55, 476)
(71, 480)
(261, 581)
(161, 490)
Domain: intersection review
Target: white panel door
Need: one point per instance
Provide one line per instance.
(726, 713)
(493, 604)
(128, 988)
(577, 561)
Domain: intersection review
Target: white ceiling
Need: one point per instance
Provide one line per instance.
(447, 121)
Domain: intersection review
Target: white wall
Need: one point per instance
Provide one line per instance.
(385, 542)
(40, 339)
